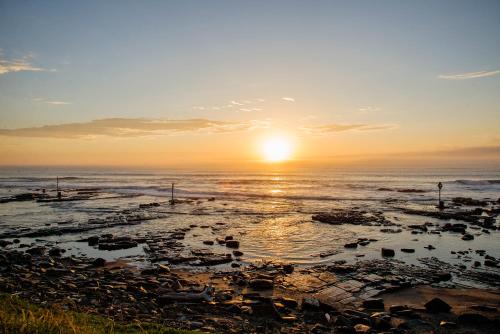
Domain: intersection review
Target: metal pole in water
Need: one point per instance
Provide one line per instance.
(172, 197)
(440, 203)
(57, 186)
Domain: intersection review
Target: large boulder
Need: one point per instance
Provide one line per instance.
(261, 284)
(374, 304)
(437, 305)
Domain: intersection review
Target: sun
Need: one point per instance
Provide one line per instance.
(276, 149)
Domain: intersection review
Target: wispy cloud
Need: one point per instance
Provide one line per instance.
(58, 103)
(369, 109)
(22, 64)
(52, 102)
(469, 75)
(288, 99)
(132, 127)
(337, 127)
(247, 105)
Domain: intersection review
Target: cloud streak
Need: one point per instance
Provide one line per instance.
(131, 127)
(23, 64)
(288, 99)
(52, 102)
(369, 109)
(335, 127)
(235, 105)
(469, 75)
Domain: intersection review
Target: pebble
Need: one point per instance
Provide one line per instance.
(387, 252)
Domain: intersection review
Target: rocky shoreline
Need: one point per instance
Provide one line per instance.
(340, 298)
(182, 285)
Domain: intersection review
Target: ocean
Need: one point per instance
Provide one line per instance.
(269, 211)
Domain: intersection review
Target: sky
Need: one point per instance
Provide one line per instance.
(200, 83)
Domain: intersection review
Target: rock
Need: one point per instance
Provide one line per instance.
(468, 201)
(163, 269)
(261, 284)
(407, 250)
(213, 260)
(56, 272)
(472, 319)
(232, 244)
(208, 242)
(310, 303)
(411, 190)
(443, 276)
(93, 241)
(390, 230)
(458, 228)
(430, 247)
(289, 302)
(55, 251)
(381, 321)
(237, 253)
(319, 329)
(4, 243)
(374, 304)
(387, 252)
(288, 268)
(264, 308)
(362, 329)
(447, 324)
(196, 324)
(467, 237)
(115, 243)
(349, 216)
(484, 308)
(490, 263)
(99, 262)
(437, 305)
(416, 326)
(351, 245)
(397, 308)
(344, 330)
(36, 251)
(288, 318)
(422, 228)
(228, 237)
(340, 320)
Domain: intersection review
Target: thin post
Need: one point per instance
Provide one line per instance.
(172, 196)
(440, 203)
(57, 186)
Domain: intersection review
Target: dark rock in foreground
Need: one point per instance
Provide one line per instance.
(387, 252)
(437, 305)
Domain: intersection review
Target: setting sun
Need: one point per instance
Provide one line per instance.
(277, 149)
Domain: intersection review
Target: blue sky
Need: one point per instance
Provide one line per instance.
(390, 63)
